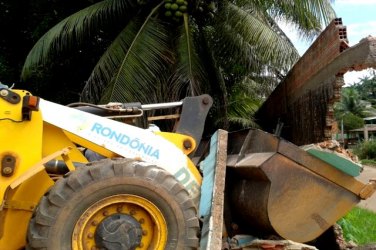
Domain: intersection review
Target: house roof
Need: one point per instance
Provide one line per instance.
(370, 118)
(369, 128)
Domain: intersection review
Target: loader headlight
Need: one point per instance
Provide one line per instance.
(30, 103)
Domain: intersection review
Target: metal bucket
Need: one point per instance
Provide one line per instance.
(277, 188)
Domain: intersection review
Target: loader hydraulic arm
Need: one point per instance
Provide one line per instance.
(191, 120)
(193, 116)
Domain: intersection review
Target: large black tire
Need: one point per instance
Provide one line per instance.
(114, 202)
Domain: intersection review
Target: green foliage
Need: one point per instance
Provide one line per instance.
(243, 103)
(367, 87)
(351, 121)
(350, 103)
(22, 23)
(186, 51)
(368, 162)
(359, 226)
(352, 109)
(366, 150)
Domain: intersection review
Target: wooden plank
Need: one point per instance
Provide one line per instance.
(212, 192)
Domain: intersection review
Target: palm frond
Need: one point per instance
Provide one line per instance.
(243, 103)
(109, 63)
(254, 38)
(189, 72)
(143, 65)
(231, 48)
(71, 31)
(308, 17)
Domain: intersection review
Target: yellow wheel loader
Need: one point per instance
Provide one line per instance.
(84, 176)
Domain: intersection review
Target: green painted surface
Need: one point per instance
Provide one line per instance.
(336, 161)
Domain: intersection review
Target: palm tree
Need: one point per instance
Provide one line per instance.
(168, 49)
(366, 86)
(351, 110)
(351, 102)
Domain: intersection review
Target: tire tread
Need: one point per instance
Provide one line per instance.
(52, 203)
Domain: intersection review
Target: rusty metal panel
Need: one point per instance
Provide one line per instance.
(279, 189)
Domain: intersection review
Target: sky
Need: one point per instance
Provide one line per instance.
(359, 17)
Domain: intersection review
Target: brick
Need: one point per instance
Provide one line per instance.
(304, 100)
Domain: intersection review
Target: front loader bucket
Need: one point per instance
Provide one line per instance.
(277, 188)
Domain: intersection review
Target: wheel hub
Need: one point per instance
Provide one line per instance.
(120, 222)
(119, 232)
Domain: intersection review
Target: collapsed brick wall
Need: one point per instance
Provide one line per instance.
(303, 101)
(331, 42)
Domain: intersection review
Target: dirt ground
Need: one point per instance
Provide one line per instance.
(367, 174)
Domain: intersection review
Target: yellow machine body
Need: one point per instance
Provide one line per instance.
(27, 143)
(23, 181)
